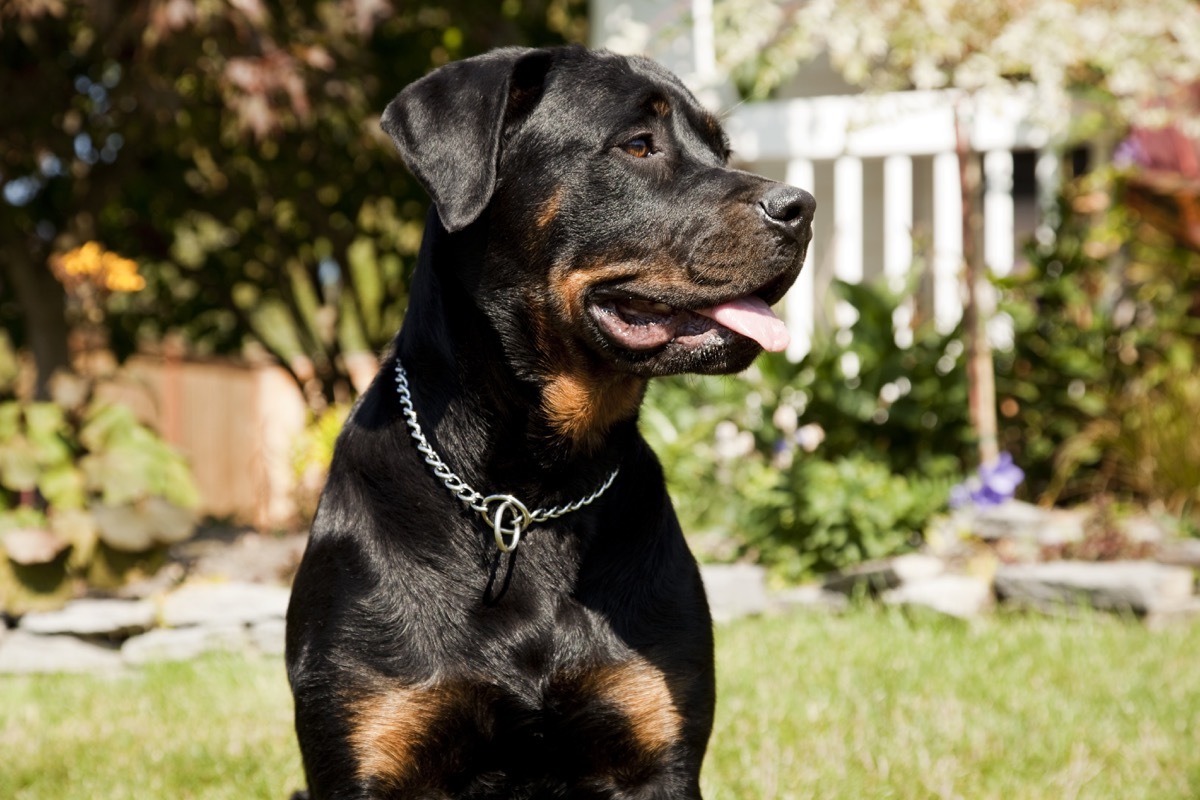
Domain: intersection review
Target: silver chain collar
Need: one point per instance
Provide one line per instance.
(507, 516)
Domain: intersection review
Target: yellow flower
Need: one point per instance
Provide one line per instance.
(103, 267)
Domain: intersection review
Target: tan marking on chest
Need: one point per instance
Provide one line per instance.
(642, 693)
(388, 728)
(583, 407)
(578, 404)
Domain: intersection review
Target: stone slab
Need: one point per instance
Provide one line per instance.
(1142, 528)
(1186, 612)
(885, 574)
(735, 590)
(1181, 552)
(223, 604)
(1025, 522)
(181, 644)
(23, 653)
(1140, 587)
(961, 596)
(114, 618)
(269, 636)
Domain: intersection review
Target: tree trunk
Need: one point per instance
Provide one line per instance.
(981, 374)
(43, 305)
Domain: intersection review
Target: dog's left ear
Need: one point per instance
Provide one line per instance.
(449, 124)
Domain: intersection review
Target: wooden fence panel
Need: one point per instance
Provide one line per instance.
(237, 426)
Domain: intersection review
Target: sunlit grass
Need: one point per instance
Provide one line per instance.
(876, 706)
(870, 705)
(215, 729)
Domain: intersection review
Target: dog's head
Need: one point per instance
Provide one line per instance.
(617, 243)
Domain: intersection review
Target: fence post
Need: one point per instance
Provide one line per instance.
(848, 230)
(947, 241)
(998, 211)
(800, 302)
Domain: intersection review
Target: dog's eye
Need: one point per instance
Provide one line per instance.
(639, 147)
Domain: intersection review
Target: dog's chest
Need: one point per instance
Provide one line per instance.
(594, 721)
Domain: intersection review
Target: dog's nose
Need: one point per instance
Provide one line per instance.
(789, 208)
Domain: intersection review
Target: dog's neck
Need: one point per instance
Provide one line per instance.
(476, 409)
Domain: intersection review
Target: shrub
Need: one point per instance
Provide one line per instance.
(86, 491)
(1097, 395)
(312, 455)
(860, 416)
(850, 510)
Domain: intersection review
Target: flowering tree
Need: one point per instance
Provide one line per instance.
(1095, 65)
(1119, 51)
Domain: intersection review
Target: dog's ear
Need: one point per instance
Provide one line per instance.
(448, 125)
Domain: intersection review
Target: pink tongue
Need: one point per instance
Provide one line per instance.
(752, 318)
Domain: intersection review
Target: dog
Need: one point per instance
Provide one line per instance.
(496, 600)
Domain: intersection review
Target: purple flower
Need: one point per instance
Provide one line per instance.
(995, 483)
(1001, 477)
(1130, 153)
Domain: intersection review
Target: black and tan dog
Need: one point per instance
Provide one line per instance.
(552, 640)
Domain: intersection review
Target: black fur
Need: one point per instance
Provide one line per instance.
(424, 663)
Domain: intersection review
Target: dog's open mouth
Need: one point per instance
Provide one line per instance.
(639, 324)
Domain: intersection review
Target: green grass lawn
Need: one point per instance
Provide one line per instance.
(870, 705)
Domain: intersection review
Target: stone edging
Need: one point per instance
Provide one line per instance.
(109, 635)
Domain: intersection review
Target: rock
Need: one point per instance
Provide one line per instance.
(22, 652)
(269, 636)
(242, 556)
(1027, 523)
(115, 618)
(27, 546)
(1186, 611)
(735, 590)
(962, 596)
(1142, 528)
(180, 644)
(1182, 552)
(1140, 587)
(161, 582)
(884, 574)
(224, 604)
(812, 597)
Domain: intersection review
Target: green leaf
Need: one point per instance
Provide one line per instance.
(63, 487)
(124, 527)
(44, 419)
(10, 420)
(119, 476)
(19, 465)
(106, 424)
(79, 528)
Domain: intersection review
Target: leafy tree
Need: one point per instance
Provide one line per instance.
(232, 150)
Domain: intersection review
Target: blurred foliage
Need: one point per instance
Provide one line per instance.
(85, 491)
(312, 456)
(232, 150)
(1095, 66)
(853, 509)
(1099, 395)
(814, 465)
